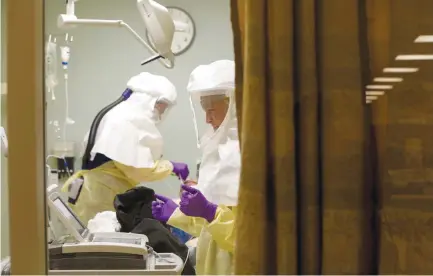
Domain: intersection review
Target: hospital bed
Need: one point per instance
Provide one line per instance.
(107, 253)
(113, 253)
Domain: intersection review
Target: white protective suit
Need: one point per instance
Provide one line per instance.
(129, 137)
(219, 172)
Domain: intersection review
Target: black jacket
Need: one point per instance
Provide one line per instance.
(134, 213)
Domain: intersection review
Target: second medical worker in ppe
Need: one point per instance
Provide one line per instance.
(208, 210)
(127, 149)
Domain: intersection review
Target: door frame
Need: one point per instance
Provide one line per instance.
(26, 135)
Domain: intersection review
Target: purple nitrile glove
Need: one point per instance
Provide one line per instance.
(181, 170)
(194, 204)
(163, 209)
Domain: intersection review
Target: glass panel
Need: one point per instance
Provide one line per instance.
(402, 134)
(91, 67)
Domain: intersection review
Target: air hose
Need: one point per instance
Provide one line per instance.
(95, 124)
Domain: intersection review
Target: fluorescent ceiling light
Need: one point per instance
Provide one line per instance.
(424, 39)
(379, 86)
(400, 70)
(382, 79)
(368, 101)
(414, 57)
(374, 93)
(371, 97)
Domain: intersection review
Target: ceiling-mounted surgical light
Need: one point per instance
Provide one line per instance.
(379, 86)
(424, 39)
(157, 21)
(386, 79)
(400, 70)
(374, 93)
(414, 57)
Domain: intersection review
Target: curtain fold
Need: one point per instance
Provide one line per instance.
(237, 14)
(378, 46)
(255, 205)
(303, 204)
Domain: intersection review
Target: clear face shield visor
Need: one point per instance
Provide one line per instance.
(161, 109)
(209, 110)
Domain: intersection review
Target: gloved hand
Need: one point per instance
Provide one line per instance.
(194, 204)
(163, 209)
(181, 170)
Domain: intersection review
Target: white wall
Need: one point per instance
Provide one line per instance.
(102, 61)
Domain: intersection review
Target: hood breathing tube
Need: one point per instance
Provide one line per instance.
(95, 124)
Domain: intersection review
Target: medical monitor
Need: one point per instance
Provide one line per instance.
(59, 209)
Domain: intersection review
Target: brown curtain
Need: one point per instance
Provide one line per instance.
(328, 184)
(304, 203)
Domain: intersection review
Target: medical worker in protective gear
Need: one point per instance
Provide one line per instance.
(208, 210)
(127, 149)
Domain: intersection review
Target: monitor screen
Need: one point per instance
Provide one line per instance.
(67, 213)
